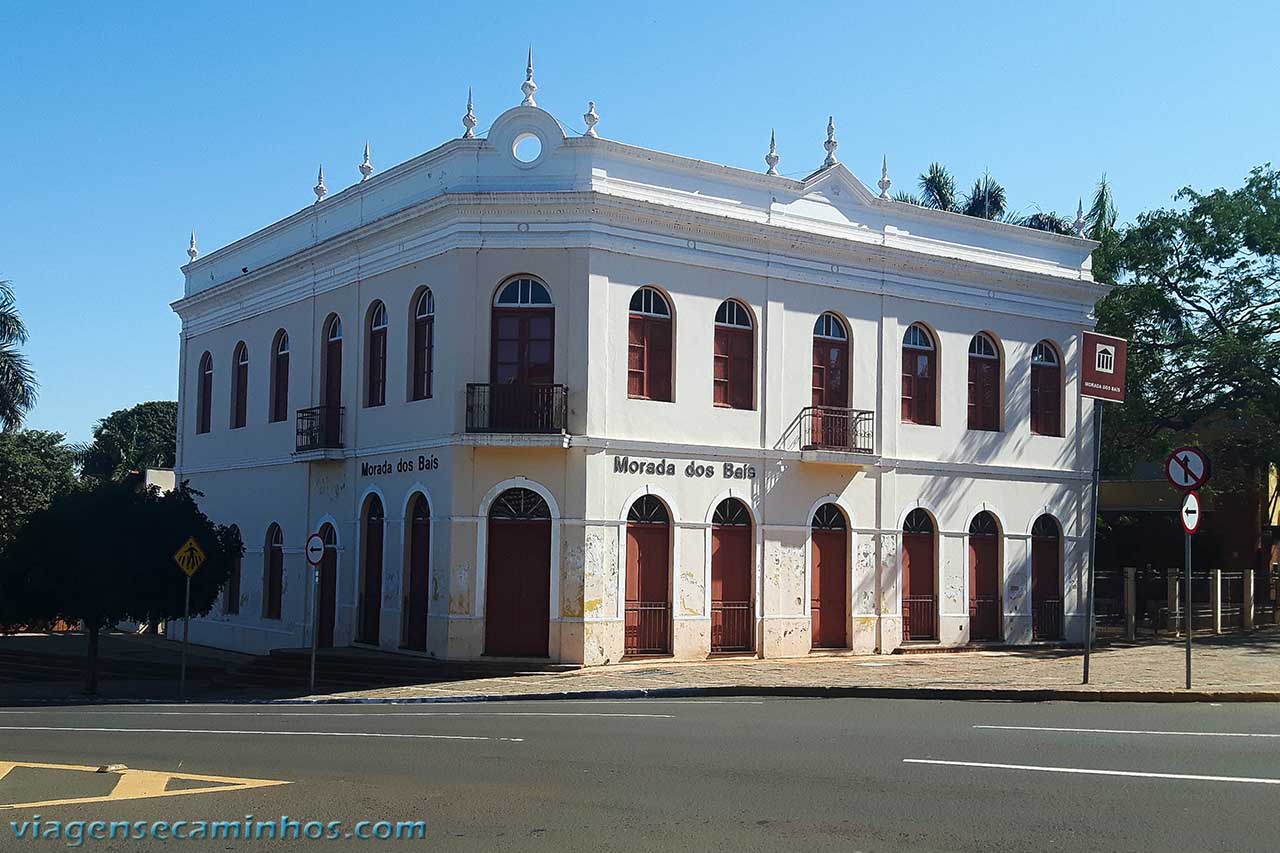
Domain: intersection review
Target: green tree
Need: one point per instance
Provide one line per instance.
(17, 381)
(1198, 297)
(938, 189)
(35, 467)
(104, 554)
(144, 436)
(986, 200)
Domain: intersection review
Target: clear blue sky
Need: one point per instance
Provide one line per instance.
(121, 130)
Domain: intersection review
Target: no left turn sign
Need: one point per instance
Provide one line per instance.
(1187, 468)
(315, 549)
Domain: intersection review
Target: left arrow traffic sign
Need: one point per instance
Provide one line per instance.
(1190, 513)
(190, 557)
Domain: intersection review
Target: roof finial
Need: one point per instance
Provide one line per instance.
(469, 120)
(193, 251)
(366, 168)
(772, 158)
(320, 189)
(831, 145)
(884, 183)
(591, 119)
(1078, 225)
(528, 86)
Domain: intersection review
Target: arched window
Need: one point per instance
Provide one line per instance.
(231, 595)
(830, 362)
(919, 377)
(648, 509)
(1046, 390)
(376, 393)
(204, 394)
(523, 337)
(733, 370)
(240, 386)
(280, 377)
(984, 383)
(649, 346)
(369, 618)
(273, 573)
(424, 336)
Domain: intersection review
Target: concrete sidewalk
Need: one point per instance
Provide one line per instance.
(1239, 667)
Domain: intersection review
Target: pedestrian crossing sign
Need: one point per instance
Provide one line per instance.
(190, 556)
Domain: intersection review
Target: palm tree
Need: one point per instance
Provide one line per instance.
(17, 382)
(1042, 221)
(938, 188)
(1101, 218)
(986, 200)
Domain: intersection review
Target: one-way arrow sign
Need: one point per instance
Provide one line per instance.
(1190, 513)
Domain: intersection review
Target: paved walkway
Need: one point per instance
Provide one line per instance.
(1235, 664)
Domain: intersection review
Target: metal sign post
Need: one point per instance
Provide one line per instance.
(1103, 361)
(315, 556)
(1190, 518)
(190, 557)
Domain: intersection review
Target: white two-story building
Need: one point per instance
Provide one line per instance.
(555, 396)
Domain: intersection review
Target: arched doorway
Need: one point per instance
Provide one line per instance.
(1046, 579)
(370, 618)
(829, 587)
(984, 578)
(417, 576)
(919, 577)
(518, 575)
(648, 602)
(731, 601)
(327, 599)
(522, 361)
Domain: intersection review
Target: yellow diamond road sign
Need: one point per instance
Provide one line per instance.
(190, 557)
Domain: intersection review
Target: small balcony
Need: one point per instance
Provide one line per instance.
(830, 428)
(535, 409)
(320, 428)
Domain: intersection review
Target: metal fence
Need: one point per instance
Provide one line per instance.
(648, 628)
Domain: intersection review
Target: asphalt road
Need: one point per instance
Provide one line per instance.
(648, 774)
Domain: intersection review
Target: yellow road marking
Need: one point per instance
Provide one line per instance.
(136, 784)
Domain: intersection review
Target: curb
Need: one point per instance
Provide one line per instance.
(813, 692)
(953, 694)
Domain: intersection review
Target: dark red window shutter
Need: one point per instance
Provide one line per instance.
(741, 370)
(280, 388)
(377, 367)
(275, 581)
(720, 367)
(658, 367)
(240, 405)
(204, 396)
(636, 357)
(423, 344)
(231, 599)
(984, 394)
(908, 385)
(926, 387)
(1046, 400)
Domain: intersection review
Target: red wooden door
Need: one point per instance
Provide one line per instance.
(648, 602)
(418, 588)
(332, 391)
(1046, 588)
(919, 596)
(371, 592)
(523, 355)
(984, 587)
(829, 589)
(327, 603)
(731, 607)
(518, 587)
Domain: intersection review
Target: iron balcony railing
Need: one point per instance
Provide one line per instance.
(320, 428)
(647, 628)
(731, 628)
(1046, 619)
(834, 428)
(517, 408)
(919, 617)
